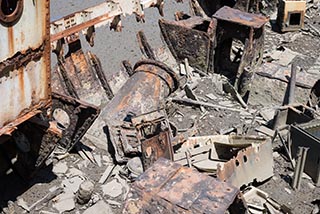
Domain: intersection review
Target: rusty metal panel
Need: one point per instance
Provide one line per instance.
(24, 64)
(193, 39)
(168, 187)
(156, 147)
(242, 18)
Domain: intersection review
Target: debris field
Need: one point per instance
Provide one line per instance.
(222, 117)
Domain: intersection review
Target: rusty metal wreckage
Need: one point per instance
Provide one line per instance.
(58, 106)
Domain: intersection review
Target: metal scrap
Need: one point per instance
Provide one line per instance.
(159, 190)
(291, 15)
(243, 29)
(237, 159)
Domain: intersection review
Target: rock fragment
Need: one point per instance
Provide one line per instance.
(84, 192)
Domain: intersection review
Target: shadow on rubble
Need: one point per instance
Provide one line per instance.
(13, 185)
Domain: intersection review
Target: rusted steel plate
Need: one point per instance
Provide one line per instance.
(236, 16)
(156, 147)
(167, 187)
(24, 65)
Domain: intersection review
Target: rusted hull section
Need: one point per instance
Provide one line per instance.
(168, 187)
(230, 43)
(25, 65)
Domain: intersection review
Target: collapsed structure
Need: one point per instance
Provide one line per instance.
(136, 119)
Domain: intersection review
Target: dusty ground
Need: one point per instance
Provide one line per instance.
(112, 48)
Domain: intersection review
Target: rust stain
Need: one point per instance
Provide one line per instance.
(21, 85)
(22, 36)
(10, 40)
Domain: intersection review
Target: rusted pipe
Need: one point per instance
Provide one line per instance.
(151, 82)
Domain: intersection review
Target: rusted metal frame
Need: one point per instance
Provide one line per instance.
(292, 84)
(180, 38)
(251, 35)
(251, 59)
(128, 67)
(79, 69)
(159, 190)
(64, 79)
(285, 9)
(81, 114)
(237, 159)
(95, 62)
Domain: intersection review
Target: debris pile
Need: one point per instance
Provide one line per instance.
(223, 118)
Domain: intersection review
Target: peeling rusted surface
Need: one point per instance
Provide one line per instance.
(307, 135)
(25, 65)
(168, 187)
(105, 13)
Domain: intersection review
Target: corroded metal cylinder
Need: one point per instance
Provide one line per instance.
(143, 92)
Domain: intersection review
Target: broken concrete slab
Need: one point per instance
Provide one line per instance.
(100, 207)
(112, 189)
(64, 202)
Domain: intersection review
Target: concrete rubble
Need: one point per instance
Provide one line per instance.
(222, 118)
